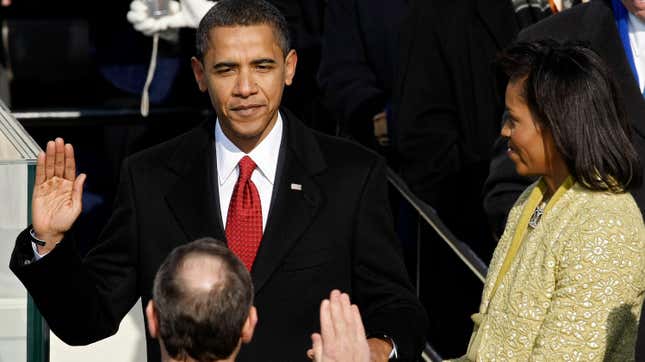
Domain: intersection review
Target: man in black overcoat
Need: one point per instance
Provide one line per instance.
(325, 221)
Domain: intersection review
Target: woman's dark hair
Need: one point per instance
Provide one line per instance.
(570, 92)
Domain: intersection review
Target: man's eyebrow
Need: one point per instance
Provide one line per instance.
(225, 65)
(263, 61)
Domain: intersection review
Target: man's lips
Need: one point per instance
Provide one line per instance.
(245, 107)
(247, 110)
(638, 5)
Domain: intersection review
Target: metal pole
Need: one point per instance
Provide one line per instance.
(37, 328)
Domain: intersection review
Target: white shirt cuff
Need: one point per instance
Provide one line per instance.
(37, 256)
(394, 354)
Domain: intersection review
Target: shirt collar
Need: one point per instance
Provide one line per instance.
(636, 28)
(636, 25)
(265, 154)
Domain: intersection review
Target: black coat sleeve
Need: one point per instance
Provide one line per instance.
(84, 300)
(350, 87)
(428, 119)
(381, 287)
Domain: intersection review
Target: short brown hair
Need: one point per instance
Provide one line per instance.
(203, 325)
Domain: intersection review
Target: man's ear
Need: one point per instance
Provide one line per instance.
(290, 63)
(249, 325)
(199, 73)
(153, 322)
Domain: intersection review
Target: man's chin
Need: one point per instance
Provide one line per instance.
(636, 9)
(640, 14)
(253, 132)
(248, 136)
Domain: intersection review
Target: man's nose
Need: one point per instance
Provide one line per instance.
(246, 84)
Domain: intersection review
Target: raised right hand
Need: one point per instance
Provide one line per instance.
(342, 335)
(56, 201)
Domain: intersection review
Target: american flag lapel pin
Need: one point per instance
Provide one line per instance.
(297, 187)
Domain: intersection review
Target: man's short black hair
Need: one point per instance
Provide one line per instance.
(570, 91)
(227, 13)
(202, 323)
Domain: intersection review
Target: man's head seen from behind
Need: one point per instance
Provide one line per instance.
(202, 304)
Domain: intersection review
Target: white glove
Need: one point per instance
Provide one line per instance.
(188, 13)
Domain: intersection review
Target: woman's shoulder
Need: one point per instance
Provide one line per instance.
(614, 215)
(601, 202)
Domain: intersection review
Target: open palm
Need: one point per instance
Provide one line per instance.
(56, 201)
(342, 335)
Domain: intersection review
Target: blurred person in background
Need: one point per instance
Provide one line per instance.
(357, 67)
(446, 105)
(567, 279)
(100, 46)
(100, 65)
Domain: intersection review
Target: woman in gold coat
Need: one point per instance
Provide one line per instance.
(567, 279)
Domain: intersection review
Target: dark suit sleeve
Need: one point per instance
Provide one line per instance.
(84, 300)
(381, 287)
(428, 120)
(304, 18)
(350, 87)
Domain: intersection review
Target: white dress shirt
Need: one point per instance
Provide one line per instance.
(265, 156)
(637, 42)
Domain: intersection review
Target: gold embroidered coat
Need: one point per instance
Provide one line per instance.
(574, 289)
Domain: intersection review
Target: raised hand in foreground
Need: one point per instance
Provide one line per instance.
(56, 201)
(342, 335)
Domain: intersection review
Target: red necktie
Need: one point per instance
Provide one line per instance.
(244, 220)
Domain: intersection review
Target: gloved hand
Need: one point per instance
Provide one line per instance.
(188, 13)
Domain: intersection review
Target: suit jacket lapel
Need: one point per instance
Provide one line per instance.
(293, 207)
(193, 197)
